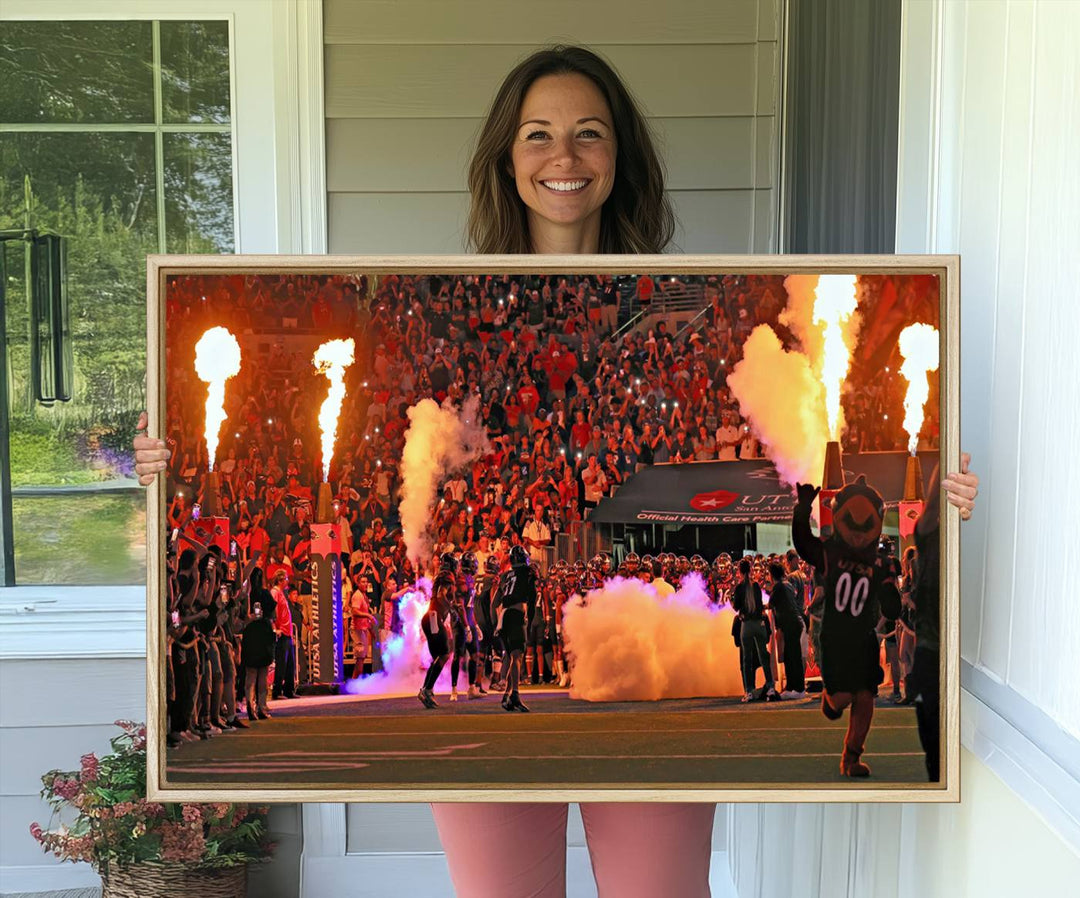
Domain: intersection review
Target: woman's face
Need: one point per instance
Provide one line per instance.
(563, 158)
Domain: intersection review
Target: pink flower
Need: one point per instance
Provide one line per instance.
(37, 832)
(150, 808)
(218, 809)
(180, 842)
(123, 808)
(90, 767)
(79, 848)
(192, 813)
(65, 788)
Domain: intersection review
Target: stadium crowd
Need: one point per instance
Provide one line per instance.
(572, 407)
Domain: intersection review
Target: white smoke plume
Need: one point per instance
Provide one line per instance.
(629, 644)
(784, 401)
(405, 656)
(439, 441)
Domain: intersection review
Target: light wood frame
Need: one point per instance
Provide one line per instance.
(947, 267)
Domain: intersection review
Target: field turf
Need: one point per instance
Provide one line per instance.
(347, 741)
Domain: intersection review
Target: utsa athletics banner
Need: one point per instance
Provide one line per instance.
(326, 662)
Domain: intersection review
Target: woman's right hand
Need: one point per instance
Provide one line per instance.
(150, 454)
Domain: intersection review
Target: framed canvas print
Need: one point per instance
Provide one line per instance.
(511, 528)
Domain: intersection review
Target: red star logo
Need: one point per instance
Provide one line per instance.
(713, 501)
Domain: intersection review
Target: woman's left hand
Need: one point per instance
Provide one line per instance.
(962, 488)
(150, 454)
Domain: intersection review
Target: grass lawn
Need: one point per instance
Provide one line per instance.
(81, 539)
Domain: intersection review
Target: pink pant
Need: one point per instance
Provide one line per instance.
(638, 850)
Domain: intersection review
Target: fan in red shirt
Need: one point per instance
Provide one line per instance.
(528, 339)
(284, 650)
(580, 432)
(277, 563)
(529, 397)
(321, 314)
(645, 287)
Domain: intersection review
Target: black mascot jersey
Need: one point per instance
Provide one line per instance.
(858, 587)
(856, 591)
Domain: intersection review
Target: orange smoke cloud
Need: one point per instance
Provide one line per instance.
(784, 402)
(798, 317)
(628, 644)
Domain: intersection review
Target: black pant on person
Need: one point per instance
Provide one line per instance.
(185, 679)
(926, 687)
(755, 652)
(794, 675)
(284, 667)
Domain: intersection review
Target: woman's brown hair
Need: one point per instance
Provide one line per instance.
(637, 217)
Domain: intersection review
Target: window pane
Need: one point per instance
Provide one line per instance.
(81, 539)
(198, 193)
(76, 72)
(195, 72)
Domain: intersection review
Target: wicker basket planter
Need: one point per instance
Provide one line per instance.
(168, 880)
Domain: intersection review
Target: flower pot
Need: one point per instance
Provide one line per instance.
(171, 880)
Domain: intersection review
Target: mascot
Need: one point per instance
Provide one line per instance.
(858, 588)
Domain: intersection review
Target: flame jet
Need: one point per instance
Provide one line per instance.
(834, 310)
(217, 358)
(919, 347)
(331, 359)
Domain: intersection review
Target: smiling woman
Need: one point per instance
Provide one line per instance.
(563, 162)
(563, 116)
